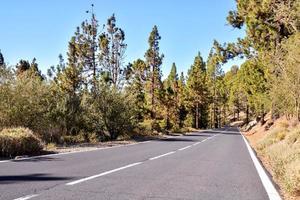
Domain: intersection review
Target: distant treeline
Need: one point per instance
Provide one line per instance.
(93, 94)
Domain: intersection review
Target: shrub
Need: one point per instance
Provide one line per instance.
(19, 141)
(93, 138)
(26, 102)
(114, 110)
(74, 139)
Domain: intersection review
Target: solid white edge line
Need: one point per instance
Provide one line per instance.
(166, 154)
(27, 197)
(103, 174)
(185, 148)
(267, 183)
(66, 153)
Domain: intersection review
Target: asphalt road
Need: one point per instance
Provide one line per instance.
(205, 165)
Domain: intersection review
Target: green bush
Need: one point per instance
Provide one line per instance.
(26, 102)
(113, 110)
(18, 141)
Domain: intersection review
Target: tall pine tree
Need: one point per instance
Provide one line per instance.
(197, 94)
(154, 61)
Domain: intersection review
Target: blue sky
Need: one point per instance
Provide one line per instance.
(42, 28)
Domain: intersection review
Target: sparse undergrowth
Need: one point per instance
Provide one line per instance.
(18, 141)
(281, 147)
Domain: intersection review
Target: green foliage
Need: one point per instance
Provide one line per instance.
(171, 99)
(112, 48)
(153, 62)
(197, 92)
(18, 141)
(137, 77)
(267, 22)
(114, 109)
(253, 81)
(24, 69)
(25, 102)
(286, 77)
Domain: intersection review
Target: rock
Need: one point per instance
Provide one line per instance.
(251, 125)
(21, 157)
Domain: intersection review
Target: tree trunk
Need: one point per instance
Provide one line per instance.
(247, 114)
(262, 119)
(224, 112)
(152, 94)
(197, 116)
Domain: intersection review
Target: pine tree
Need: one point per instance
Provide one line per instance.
(112, 49)
(154, 61)
(171, 100)
(197, 91)
(29, 70)
(215, 74)
(85, 50)
(137, 87)
(67, 90)
(182, 112)
(1, 59)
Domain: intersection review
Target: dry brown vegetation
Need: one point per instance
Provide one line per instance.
(278, 146)
(18, 141)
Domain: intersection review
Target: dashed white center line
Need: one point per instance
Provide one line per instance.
(27, 197)
(103, 174)
(185, 148)
(130, 165)
(166, 154)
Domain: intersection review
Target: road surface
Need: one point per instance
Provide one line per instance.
(209, 165)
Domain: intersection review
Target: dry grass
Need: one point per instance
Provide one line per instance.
(273, 136)
(279, 149)
(292, 178)
(18, 141)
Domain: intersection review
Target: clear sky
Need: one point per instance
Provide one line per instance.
(42, 28)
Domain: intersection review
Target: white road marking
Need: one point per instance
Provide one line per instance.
(268, 185)
(27, 197)
(166, 154)
(66, 153)
(185, 148)
(103, 174)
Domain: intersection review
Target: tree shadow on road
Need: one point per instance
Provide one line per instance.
(30, 178)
